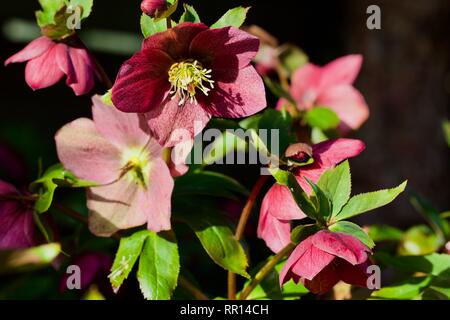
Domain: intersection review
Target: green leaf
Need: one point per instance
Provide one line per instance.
(23, 260)
(336, 184)
(318, 136)
(292, 58)
(409, 289)
(219, 242)
(46, 16)
(233, 17)
(208, 183)
(433, 264)
(439, 225)
(323, 202)
(369, 201)
(302, 232)
(189, 14)
(273, 119)
(353, 230)
(86, 6)
(107, 98)
(159, 266)
(384, 233)
(419, 240)
(46, 185)
(322, 118)
(226, 143)
(150, 26)
(129, 250)
(286, 178)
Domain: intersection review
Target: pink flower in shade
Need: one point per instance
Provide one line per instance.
(278, 207)
(116, 151)
(323, 259)
(331, 86)
(48, 61)
(16, 220)
(153, 7)
(187, 74)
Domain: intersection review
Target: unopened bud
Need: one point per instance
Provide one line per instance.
(153, 8)
(299, 152)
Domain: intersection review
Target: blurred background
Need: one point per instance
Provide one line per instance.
(405, 79)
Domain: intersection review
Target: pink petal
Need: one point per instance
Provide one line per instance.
(120, 128)
(83, 68)
(286, 272)
(355, 275)
(171, 123)
(348, 104)
(142, 82)
(83, 151)
(115, 207)
(341, 71)
(242, 97)
(331, 152)
(276, 233)
(176, 41)
(43, 71)
(311, 262)
(33, 50)
(280, 203)
(341, 245)
(178, 156)
(306, 85)
(65, 62)
(228, 48)
(155, 202)
(324, 281)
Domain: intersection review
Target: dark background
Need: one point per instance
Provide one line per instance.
(405, 79)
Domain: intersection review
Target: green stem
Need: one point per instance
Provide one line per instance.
(264, 271)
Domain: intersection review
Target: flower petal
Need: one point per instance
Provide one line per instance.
(297, 253)
(343, 70)
(83, 151)
(312, 261)
(175, 41)
(142, 82)
(120, 128)
(33, 50)
(355, 275)
(171, 123)
(156, 201)
(83, 68)
(115, 207)
(341, 245)
(331, 152)
(276, 233)
(43, 71)
(226, 49)
(241, 98)
(306, 85)
(348, 104)
(280, 203)
(324, 281)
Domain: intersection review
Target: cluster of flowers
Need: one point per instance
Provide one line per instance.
(185, 74)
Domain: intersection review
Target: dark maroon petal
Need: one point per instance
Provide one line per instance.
(176, 41)
(324, 281)
(142, 82)
(171, 123)
(241, 98)
(12, 165)
(224, 49)
(355, 275)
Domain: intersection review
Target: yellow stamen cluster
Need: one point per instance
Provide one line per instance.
(188, 76)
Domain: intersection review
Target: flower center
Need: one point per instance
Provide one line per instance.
(186, 78)
(136, 166)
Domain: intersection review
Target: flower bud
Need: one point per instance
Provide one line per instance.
(299, 152)
(153, 8)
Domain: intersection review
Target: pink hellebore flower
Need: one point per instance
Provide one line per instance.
(323, 259)
(116, 151)
(49, 61)
(152, 7)
(279, 207)
(187, 74)
(331, 86)
(16, 220)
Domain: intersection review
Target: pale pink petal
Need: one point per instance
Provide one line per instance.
(280, 203)
(155, 202)
(115, 207)
(276, 233)
(341, 245)
(242, 97)
(171, 123)
(120, 128)
(178, 156)
(83, 151)
(43, 71)
(348, 104)
(297, 253)
(306, 85)
(341, 71)
(33, 50)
